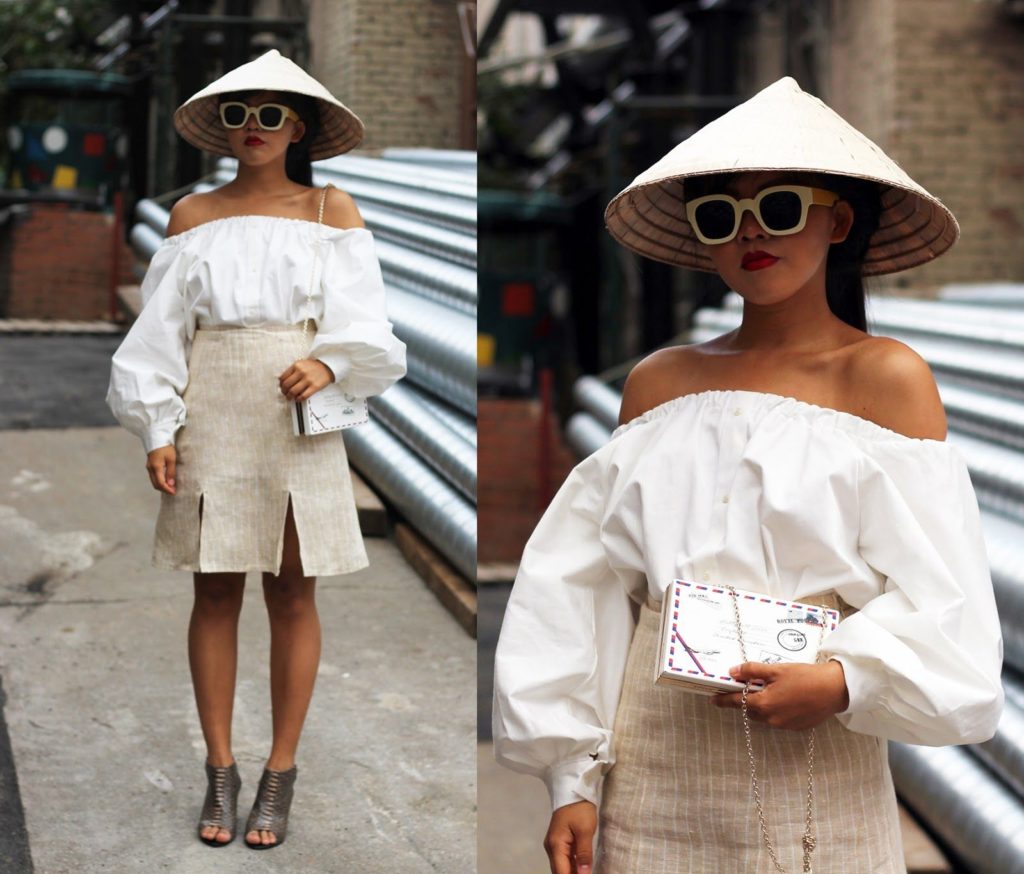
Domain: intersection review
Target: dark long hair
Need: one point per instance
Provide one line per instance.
(297, 165)
(844, 281)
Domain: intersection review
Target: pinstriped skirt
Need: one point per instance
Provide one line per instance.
(239, 466)
(678, 799)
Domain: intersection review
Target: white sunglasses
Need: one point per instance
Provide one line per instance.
(780, 210)
(270, 116)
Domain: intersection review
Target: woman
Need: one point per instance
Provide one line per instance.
(797, 456)
(206, 376)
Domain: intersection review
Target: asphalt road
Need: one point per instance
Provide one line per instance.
(55, 381)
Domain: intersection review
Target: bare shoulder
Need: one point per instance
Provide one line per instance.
(340, 210)
(896, 389)
(189, 211)
(657, 378)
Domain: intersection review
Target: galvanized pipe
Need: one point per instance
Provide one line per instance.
(449, 284)
(145, 240)
(585, 434)
(456, 420)
(460, 161)
(1004, 754)
(437, 510)
(960, 322)
(1004, 543)
(417, 178)
(979, 817)
(399, 410)
(998, 419)
(598, 399)
(441, 346)
(390, 224)
(997, 474)
(991, 294)
(448, 212)
(153, 214)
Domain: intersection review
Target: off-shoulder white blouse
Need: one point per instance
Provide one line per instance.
(249, 271)
(766, 493)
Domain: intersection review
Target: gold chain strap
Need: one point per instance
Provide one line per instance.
(808, 841)
(312, 266)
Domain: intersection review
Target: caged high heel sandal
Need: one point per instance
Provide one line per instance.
(270, 809)
(220, 808)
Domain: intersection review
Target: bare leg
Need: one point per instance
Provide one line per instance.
(213, 657)
(294, 655)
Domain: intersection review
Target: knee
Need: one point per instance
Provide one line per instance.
(217, 596)
(289, 598)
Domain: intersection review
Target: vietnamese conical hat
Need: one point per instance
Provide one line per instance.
(198, 119)
(780, 128)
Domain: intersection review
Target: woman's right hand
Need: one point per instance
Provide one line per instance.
(160, 464)
(570, 839)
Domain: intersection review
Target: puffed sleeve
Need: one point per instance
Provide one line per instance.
(149, 371)
(562, 651)
(922, 660)
(354, 337)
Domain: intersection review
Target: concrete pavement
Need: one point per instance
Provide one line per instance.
(99, 705)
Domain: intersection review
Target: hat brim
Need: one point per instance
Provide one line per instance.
(786, 130)
(199, 123)
(650, 219)
(198, 118)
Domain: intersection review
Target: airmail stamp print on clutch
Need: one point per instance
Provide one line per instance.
(699, 639)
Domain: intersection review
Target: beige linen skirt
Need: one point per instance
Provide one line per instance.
(678, 799)
(239, 466)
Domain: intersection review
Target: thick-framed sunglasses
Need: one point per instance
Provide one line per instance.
(271, 116)
(780, 210)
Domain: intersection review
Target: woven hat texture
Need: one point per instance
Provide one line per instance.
(198, 120)
(780, 128)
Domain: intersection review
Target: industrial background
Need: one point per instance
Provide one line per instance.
(576, 98)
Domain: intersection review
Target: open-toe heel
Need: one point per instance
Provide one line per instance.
(220, 808)
(270, 809)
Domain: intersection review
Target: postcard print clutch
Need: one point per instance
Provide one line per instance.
(699, 640)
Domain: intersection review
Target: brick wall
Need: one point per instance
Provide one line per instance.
(60, 264)
(509, 500)
(398, 64)
(863, 40)
(959, 122)
(939, 85)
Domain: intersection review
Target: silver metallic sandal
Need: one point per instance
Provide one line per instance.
(220, 808)
(270, 809)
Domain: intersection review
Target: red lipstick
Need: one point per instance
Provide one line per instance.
(757, 260)
(253, 141)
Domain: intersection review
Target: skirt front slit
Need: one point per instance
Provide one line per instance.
(678, 799)
(238, 458)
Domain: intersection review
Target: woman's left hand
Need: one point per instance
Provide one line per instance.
(794, 696)
(305, 378)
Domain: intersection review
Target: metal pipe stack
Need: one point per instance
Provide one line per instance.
(419, 449)
(973, 339)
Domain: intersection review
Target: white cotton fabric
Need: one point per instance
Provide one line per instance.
(252, 271)
(771, 494)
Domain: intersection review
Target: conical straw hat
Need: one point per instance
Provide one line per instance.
(198, 120)
(780, 128)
